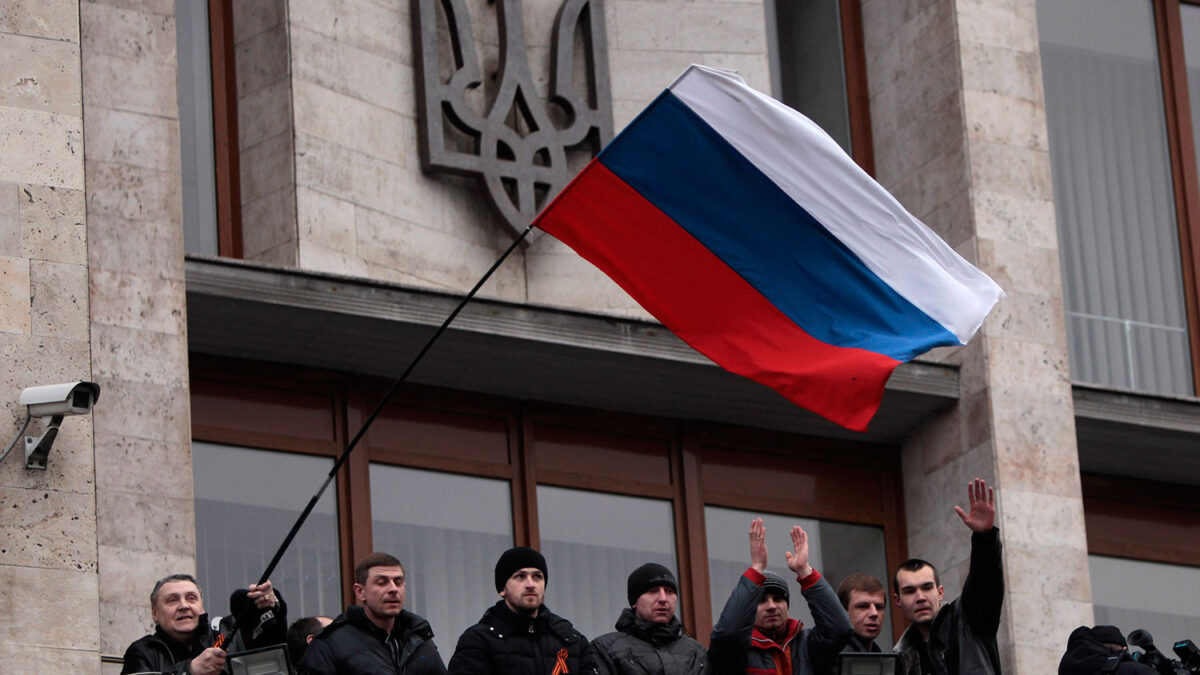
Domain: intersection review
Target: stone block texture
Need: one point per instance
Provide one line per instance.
(48, 526)
(144, 524)
(958, 118)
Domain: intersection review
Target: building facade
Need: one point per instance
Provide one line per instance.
(225, 214)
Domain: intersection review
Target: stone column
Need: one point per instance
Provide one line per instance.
(960, 131)
(144, 509)
(47, 518)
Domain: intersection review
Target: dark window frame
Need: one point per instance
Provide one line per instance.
(230, 395)
(226, 156)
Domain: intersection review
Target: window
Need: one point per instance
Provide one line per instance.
(1157, 597)
(447, 480)
(1143, 542)
(1124, 188)
(448, 531)
(208, 128)
(592, 556)
(818, 67)
(836, 550)
(246, 501)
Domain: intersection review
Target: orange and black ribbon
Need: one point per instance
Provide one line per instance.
(560, 665)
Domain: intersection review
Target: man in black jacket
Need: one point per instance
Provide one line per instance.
(1099, 650)
(960, 636)
(649, 638)
(183, 639)
(376, 636)
(519, 635)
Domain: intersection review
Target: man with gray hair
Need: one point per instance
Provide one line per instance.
(185, 642)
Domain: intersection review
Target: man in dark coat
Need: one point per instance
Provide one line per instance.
(959, 636)
(183, 638)
(1093, 651)
(519, 635)
(377, 636)
(649, 638)
(755, 636)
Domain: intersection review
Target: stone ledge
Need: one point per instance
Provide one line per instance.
(531, 352)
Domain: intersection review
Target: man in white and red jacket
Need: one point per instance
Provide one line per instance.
(755, 636)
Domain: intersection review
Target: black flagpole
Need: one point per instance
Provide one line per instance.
(312, 503)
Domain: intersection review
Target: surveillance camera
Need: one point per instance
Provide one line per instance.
(71, 398)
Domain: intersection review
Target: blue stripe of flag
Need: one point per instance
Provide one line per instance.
(676, 161)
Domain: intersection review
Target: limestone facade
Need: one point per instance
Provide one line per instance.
(92, 282)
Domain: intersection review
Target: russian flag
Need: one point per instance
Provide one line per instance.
(747, 231)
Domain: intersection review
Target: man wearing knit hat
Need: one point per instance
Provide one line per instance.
(519, 634)
(649, 638)
(754, 634)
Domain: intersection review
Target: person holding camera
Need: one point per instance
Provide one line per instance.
(1092, 651)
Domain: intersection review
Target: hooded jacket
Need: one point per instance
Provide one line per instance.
(962, 637)
(645, 648)
(354, 645)
(737, 648)
(507, 643)
(1087, 655)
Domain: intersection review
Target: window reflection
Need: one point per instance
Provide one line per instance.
(246, 502)
(592, 541)
(836, 550)
(448, 531)
(1160, 598)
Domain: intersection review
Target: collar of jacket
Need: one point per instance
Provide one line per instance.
(508, 622)
(406, 623)
(203, 628)
(763, 642)
(657, 634)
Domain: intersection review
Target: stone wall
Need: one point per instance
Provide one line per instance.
(960, 131)
(362, 205)
(144, 509)
(48, 555)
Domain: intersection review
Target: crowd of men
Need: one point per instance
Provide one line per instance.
(519, 635)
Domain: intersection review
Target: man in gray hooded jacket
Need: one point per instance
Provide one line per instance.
(649, 639)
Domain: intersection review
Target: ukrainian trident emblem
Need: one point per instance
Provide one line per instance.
(519, 146)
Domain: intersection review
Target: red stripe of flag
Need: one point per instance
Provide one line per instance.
(707, 304)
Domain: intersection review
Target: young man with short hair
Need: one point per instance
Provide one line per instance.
(959, 636)
(865, 601)
(376, 636)
(519, 635)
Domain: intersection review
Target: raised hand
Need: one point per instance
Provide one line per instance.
(981, 499)
(263, 595)
(797, 560)
(758, 545)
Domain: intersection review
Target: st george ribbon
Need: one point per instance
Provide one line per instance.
(747, 231)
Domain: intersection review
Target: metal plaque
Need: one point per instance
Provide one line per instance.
(499, 130)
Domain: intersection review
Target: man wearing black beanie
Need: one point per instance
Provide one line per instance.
(649, 638)
(519, 634)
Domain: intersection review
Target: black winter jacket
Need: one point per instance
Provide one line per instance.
(354, 645)
(1087, 655)
(160, 653)
(962, 638)
(643, 648)
(507, 643)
